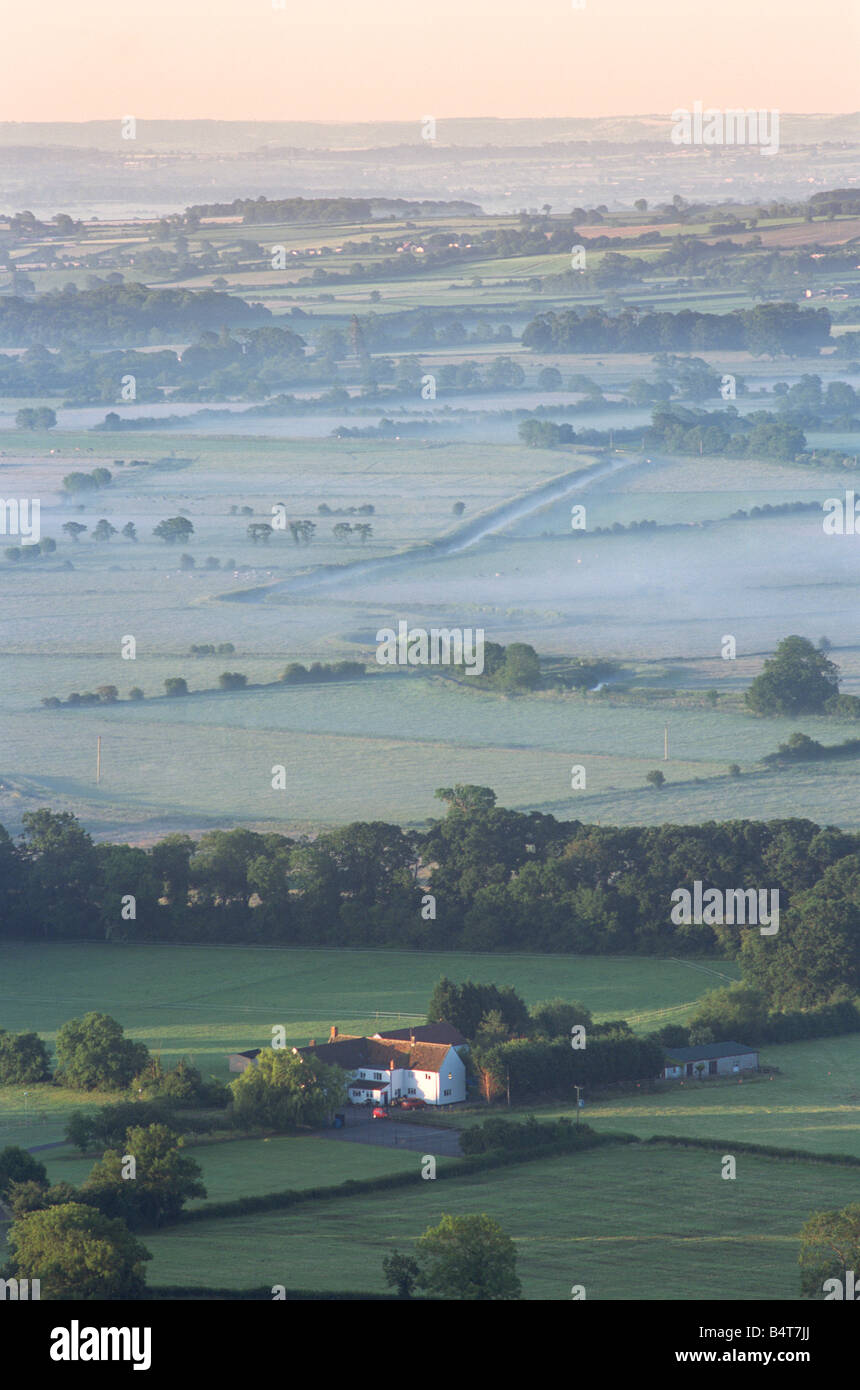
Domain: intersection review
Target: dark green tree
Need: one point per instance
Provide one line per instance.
(468, 1258)
(797, 679)
(164, 1179)
(77, 1254)
(829, 1249)
(24, 1059)
(94, 1054)
(174, 529)
(401, 1272)
(285, 1091)
(17, 1165)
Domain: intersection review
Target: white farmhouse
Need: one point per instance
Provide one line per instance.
(384, 1069)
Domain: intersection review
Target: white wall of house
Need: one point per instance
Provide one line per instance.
(444, 1087)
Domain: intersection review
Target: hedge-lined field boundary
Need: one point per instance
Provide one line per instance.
(356, 1187)
(765, 1150)
(159, 1292)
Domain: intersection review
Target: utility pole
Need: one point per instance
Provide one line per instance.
(666, 743)
(98, 759)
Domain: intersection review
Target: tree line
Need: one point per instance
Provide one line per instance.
(121, 313)
(482, 878)
(768, 328)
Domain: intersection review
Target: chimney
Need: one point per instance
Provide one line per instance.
(333, 1034)
(312, 1043)
(411, 1039)
(391, 1064)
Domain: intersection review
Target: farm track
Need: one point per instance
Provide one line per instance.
(489, 523)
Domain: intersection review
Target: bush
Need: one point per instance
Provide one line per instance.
(23, 1059)
(509, 1136)
(108, 1125)
(165, 1178)
(93, 1053)
(17, 1165)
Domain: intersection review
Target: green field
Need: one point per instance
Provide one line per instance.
(374, 750)
(811, 1100)
(251, 1167)
(205, 1002)
(626, 1222)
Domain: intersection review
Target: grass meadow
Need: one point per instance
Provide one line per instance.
(809, 1100)
(627, 1223)
(251, 1167)
(205, 1002)
(382, 741)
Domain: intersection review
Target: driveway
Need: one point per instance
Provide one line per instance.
(397, 1134)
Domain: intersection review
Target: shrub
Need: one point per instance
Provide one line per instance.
(23, 1059)
(17, 1165)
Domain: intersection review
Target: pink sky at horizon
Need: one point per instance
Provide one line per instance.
(331, 60)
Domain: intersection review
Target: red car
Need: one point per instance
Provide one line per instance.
(379, 1113)
(415, 1103)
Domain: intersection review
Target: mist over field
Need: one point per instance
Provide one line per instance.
(430, 671)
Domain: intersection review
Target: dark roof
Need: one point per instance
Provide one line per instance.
(363, 1084)
(712, 1051)
(351, 1053)
(427, 1032)
(254, 1052)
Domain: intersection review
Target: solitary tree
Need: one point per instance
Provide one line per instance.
(285, 1090)
(468, 1258)
(77, 1254)
(829, 1249)
(164, 1178)
(173, 529)
(74, 529)
(102, 531)
(401, 1272)
(797, 679)
(23, 1058)
(94, 1054)
(656, 778)
(17, 1165)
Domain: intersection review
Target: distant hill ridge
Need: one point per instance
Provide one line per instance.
(230, 137)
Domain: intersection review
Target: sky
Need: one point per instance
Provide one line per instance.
(359, 60)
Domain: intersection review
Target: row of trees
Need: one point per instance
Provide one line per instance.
(481, 878)
(121, 313)
(677, 429)
(772, 329)
(174, 686)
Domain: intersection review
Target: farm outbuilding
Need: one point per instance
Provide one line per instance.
(712, 1059)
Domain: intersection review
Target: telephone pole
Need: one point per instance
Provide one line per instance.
(666, 743)
(98, 759)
